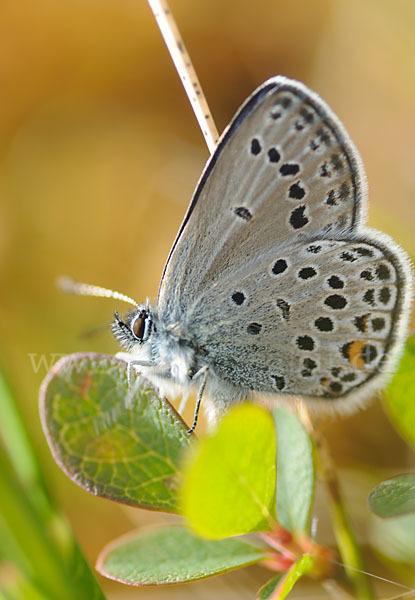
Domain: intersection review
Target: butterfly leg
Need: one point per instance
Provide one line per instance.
(139, 363)
(204, 372)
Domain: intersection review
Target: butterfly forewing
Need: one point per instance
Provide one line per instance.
(285, 169)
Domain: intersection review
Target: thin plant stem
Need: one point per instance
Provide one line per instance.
(187, 73)
(345, 537)
(405, 596)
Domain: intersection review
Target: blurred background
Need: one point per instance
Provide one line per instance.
(100, 153)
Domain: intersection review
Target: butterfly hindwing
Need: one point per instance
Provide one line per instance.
(319, 318)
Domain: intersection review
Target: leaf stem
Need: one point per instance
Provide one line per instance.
(185, 69)
(346, 541)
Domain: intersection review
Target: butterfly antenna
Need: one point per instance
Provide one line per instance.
(69, 286)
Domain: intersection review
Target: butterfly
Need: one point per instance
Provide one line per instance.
(274, 284)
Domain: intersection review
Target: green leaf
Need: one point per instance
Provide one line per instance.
(395, 538)
(20, 451)
(120, 442)
(35, 539)
(295, 472)
(394, 497)
(267, 590)
(279, 587)
(35, 555)
(399, 396)
(173, 555)
(229, 480)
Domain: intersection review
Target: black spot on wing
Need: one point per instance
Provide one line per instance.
(324, 324)
(273, 155)
(349, 377)
(279, 381)
(367, 275)
(331, 198)
(255, 147)
(307, 273)
(243, 213)
(238, 298)
(296, 191)
(305, 342)
(297, 217)
(347, 257)
(284, 307)
(363, 251)
(344, 191)
(324, 170)
(360, 322)
(369, 353)
(335, 282)
(289, 169)
(285, 101)
(335, 301)
(384, 295)
(337, 162)
(324, 136)
(307, 115)
(309, 363)
(378, 323)
(254, 328)
(279, 266)
(314, 249)
(383, 272)
(369, 297)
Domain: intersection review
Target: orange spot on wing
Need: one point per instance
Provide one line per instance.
(355, 354)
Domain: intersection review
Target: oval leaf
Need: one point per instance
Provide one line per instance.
(173, 555)
(394, 497)
(395, 539)
(295, 472)
(399, 396)
(229, 481)
(117, 441)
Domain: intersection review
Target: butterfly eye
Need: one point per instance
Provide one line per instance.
(138, 325)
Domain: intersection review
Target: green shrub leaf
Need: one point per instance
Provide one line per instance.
(395, 539)
(117, 441)
(295, 472)
(399, 396)
(394, 497)
(279, 587)
(229, 481)
(173, 555)
(267, 590)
